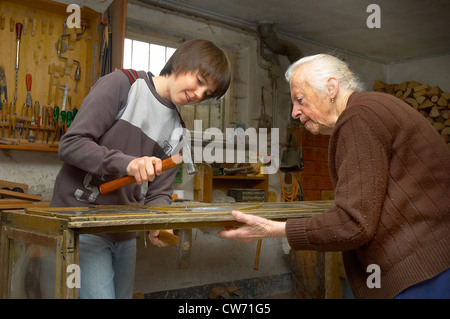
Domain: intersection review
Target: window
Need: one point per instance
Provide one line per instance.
(145, 56)
(151, 57)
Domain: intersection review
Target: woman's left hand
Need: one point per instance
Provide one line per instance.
(255, 228)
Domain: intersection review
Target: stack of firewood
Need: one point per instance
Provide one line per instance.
(431, 102)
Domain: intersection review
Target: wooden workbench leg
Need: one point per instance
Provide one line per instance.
(70, 265)
(4, 269)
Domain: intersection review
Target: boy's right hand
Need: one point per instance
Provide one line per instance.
(144, 169)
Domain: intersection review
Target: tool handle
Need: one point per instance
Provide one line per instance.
(18, 31)
(115, 184)
(56, 112)
(28, 81)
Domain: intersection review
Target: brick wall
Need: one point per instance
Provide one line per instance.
(314, 177)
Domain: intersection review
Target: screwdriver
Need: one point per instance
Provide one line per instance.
(63, 121)
(44, 119)
(12, 112)
(55, 120)
(49, 120)
(69, 118)
(18, 36)
(37, 116)
(56, 114)
(74, 111)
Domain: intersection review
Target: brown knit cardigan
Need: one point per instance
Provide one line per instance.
(391, 172)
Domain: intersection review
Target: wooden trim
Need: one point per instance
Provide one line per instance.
(118, 10)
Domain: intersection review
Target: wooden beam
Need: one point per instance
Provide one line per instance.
(6, 193)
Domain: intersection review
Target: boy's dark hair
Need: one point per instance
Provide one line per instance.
(205, 57)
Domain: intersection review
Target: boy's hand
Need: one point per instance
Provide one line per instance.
(144, 169)
(153, 236)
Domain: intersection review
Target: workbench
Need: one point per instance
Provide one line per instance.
(39, 246)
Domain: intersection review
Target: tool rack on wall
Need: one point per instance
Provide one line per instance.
(47, 68)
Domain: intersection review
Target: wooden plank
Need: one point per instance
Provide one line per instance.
(7, 201)
(11, 185)
(44, 224)
(6, 193)
(21, 205)
(133, 218)
(118, 10)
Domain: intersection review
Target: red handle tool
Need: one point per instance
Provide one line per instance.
(115, 184)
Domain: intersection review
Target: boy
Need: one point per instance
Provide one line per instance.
(127, 124)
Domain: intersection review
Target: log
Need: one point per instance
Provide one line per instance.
(434, 91)
(402, 86)
(412, 102)
(420, 99)
(434, 112)
(442, 101)
(416, 94)
(438, 126)
(422, 87)
(431, 102)
(379, 85)
(446, 131)
(413, 84)
(446, 95)
(426, 104)
(407, 93)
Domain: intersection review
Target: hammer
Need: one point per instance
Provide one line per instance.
(168, 163)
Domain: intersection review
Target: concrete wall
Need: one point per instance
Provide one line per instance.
(36, 169)
(432, 71)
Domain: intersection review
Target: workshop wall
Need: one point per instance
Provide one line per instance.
(36, 169)
(432, 70)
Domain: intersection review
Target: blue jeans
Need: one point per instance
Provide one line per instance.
(437, 287)
(106, 268)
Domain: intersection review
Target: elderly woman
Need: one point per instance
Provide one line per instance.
(391, 173)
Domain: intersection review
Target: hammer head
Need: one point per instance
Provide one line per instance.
(188, 158)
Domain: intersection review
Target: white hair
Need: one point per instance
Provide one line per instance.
(321, 68)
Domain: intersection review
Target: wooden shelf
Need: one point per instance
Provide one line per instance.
(239, 177)
(37, 147)
(42, 22)
(42, 27)
(205, 182)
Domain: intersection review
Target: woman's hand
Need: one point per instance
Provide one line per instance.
(144, 169)
(255, 228)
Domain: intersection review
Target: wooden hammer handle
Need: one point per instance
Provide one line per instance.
(115, 184)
